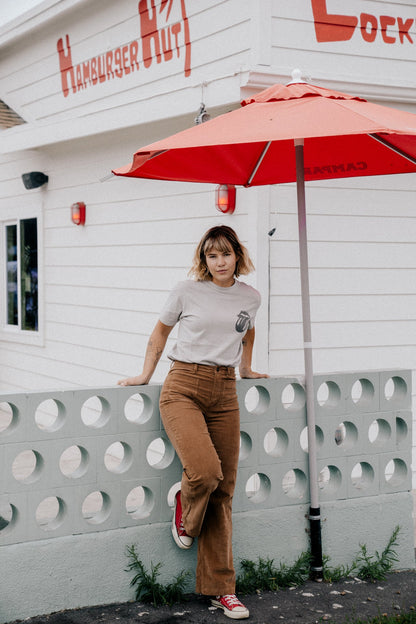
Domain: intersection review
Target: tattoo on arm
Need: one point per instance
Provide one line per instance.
(154, 350)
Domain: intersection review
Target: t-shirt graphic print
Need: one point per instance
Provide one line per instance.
(243, 322)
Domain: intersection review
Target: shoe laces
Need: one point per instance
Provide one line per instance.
(230, 600)
(181, 528)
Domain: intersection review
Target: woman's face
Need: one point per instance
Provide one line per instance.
(221, 265)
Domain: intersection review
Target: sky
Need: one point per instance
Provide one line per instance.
(10, 9)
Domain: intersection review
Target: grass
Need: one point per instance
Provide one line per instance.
(402, 618)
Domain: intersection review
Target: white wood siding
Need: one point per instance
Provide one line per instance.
(105, 283)
(362, 260)
(294, 44)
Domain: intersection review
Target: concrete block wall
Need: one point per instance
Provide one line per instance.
(85, 473)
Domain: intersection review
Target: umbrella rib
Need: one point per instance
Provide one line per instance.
(258, 163)
(398, 151)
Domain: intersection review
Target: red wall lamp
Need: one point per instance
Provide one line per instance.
(225, 198)
(78, 213)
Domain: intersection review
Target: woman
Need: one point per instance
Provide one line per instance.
(198, 402)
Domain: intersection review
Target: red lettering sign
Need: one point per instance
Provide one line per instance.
(331, 27)
(66, 67)
(334, 27)
(160, 42)
(335, 168)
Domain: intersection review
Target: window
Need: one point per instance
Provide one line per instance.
(21, 247)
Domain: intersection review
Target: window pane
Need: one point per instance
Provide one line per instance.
(29, 273)
(11, 243)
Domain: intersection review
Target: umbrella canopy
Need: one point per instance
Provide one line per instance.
(344, 136)
(289, 133)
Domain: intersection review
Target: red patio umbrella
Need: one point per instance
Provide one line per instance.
(344, 136)
(289, 133)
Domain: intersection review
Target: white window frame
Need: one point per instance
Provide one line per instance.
(11, 333)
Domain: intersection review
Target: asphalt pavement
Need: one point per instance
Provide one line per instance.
(338, 603)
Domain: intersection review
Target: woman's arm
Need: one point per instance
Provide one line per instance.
(154, 350)
(246, 357)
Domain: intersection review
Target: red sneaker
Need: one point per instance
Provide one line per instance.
(182, 539)
(231, 606)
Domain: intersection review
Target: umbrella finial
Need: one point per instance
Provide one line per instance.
(296, 76)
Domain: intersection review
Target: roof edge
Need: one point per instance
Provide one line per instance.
(30, 137)
(34, 18)
(259, 79)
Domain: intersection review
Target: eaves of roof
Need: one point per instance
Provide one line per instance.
(35, 18)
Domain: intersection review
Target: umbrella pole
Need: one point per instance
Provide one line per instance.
(314, 510)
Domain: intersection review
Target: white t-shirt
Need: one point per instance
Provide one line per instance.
(212, 321)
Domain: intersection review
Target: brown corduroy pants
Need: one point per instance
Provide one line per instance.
(200, 413)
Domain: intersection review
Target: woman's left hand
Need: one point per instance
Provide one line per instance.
(245, 363)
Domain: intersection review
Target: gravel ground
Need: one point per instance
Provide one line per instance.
(312, 603)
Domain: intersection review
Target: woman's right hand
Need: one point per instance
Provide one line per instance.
(139, 380)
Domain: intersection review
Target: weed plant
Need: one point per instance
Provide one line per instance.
(263, 575)
(375, 567)
(334, 575)
(148, 589)
(366, 566)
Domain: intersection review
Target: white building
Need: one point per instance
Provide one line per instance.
(88, 82)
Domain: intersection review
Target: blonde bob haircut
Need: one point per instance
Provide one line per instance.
(221, 238)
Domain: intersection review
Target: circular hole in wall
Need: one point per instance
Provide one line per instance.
(9, 416)
(303, 438)
(329, 394)
(50, 513)
(362, 392)
(293, 397)
(395, 472)
(276, 442)
(246, 445)
(27, 466)
(138, 408)
(118, 457)
(95, 412)
(8, 517)
(139, 502)
(379, 432)
(362, 476)
(50, 415)
(346, 435)
(258, 487)
(257, 400)
(160, 453)
(401, 429)
(395, 390)
(294, 483)
(96, 507)
(330, 479)
(172, 493)
(73, 462)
